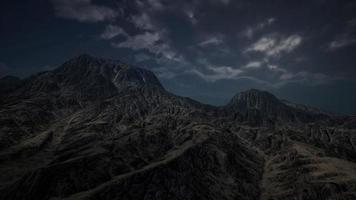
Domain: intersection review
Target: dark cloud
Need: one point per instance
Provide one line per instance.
(341, 41)
(112, 31)
(211, 44)
(83, 10)
(253, 29)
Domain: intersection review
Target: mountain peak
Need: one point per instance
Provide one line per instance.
(262, 105)
(254, 99)
(86, 71)
(256, 92)
(89, 59)
(257, 105)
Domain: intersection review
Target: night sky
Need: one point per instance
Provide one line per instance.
(300, 50)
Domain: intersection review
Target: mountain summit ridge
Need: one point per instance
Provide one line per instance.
(87, 71)
(113, 70)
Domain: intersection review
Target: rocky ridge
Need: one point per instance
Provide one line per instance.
(100, 129)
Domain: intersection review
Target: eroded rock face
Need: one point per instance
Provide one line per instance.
(99, 129)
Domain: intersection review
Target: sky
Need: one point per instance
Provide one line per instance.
(300, 50)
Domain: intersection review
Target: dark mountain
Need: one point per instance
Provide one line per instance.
(89, 78)
(87, 73)
(100, 129)
(259, 107)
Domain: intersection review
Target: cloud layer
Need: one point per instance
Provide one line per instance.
(276, 45)
(83, 10)
(231, 43)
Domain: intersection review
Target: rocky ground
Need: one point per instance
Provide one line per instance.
(99, 129)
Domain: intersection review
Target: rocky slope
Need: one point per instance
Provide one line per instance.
(99, 129)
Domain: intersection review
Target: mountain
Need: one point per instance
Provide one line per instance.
(262, 107)
(100, 129)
